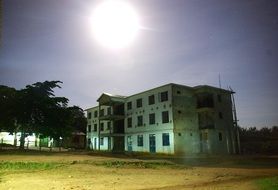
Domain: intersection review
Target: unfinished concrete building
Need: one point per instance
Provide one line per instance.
(171, 119)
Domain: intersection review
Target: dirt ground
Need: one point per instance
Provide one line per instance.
(81, 172)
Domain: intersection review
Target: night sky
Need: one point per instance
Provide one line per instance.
(188, 42)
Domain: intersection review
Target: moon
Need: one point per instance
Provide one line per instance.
(115, 24)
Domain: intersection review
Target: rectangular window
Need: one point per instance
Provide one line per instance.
(219, 98)
(220, 136)
(95, 114)
(220, 115)
(165, 139)
(101, 141)
(140, 121)
(95, 127)
(109, 111)
(89, 128)
(129, 105)
(89, 115)
(101, 113)
(165, 117)
(139, 140)
(108, 125)
(101, 126)
(152, 118)
(205, 136)
(139, 103)
(205, 100)
(151, 100)
(164, 96)
(129, 122)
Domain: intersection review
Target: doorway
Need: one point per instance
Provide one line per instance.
(152, 143)
(95, 143)
(204, 142)
(129, 144)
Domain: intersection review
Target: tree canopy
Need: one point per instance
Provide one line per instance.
(7, 108)
(36, 109)
(259, 141)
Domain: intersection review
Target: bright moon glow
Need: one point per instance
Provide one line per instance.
(115, 24)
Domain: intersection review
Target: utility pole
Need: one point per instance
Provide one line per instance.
(219, 80)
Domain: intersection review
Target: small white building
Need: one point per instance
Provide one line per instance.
(171, 119)
(14, 139)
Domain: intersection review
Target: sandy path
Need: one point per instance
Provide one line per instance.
(85, 176)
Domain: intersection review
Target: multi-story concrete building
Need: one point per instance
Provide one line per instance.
(168, 119)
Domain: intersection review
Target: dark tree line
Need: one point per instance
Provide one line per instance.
(259, 141)
(36, 109)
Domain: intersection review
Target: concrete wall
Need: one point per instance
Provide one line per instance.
(223, 124)
(186, 130)
(94, 140)
(8, 138)
(186, 137)
(169, 149)
(91, 134)
(158, 128)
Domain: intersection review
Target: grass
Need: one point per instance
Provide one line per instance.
(268, 183)
(256, 162)
(26, 152)
(8, 166)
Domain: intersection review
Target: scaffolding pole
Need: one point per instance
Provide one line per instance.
(235, 120)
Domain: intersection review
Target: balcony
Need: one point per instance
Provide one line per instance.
(111, 117)
(205, 100)
(107, 134)
(117, 129)
(209, 126)
(114, 112)
(118, 113)
(206, 120)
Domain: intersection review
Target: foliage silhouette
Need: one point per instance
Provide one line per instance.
(36, 109)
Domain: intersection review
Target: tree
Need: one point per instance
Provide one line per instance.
(7, 108)
(79, 121)
(35, 109)
(37, 106)
(264, 140)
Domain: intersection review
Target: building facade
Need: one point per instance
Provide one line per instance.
(171, 119)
